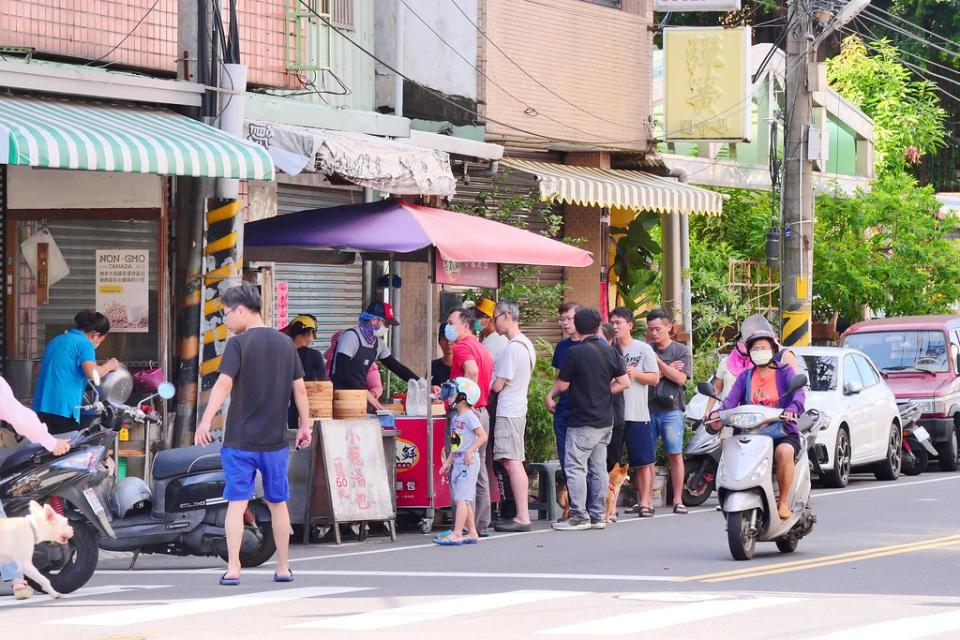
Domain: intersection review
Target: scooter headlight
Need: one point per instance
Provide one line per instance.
(761, 470)
(745, 420)
(722, 470)
(84, 460)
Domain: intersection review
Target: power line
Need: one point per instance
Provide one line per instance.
(126, 37)
(889, 25)
(527, 73)
(872, 8)
(893, 53)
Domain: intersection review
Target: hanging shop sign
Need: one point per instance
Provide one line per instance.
(707, 84)
(668, 6)
(283, 304)
(472, 274)
(123, 289)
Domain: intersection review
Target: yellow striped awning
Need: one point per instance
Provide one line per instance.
(589, 186)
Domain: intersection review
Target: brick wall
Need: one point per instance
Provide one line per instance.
(583, 284)
(89, 29)
(596, 57)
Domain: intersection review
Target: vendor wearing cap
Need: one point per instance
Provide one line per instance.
(485, 308)
(303, 332)
(363, 345)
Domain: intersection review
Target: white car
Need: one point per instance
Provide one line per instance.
(864, 422)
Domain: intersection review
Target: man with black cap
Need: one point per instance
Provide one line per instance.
(363, 345)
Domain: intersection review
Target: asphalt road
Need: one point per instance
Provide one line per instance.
(881, 563)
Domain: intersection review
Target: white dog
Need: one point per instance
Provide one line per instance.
(19, 535)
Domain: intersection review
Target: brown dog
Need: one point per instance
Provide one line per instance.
(19, 535)
(618, 478)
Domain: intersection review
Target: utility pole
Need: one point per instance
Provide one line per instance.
(802, 60)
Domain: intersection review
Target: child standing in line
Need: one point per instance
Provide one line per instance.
(467, 436)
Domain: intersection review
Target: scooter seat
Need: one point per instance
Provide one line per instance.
(184, 460)
(11, 457)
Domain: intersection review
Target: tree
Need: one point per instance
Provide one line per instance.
(908, 119)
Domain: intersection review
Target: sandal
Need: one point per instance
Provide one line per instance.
(646, 512)
(447, 541)
(229, 582)
(679, 508)
(22, 591)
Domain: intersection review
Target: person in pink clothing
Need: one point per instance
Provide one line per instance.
(25, 422)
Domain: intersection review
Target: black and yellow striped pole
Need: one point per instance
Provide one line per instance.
(796, 318)
(223, 268)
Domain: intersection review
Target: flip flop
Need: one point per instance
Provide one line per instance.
(679, 508)
(229, 582)
(447, 542)
(444, 534)
(278, 578)
(470, 541)
(646, 512)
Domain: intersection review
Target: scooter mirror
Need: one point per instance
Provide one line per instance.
(797, 382)
(166, 390)
(706, 389)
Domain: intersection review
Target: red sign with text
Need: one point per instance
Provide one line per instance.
(413, 468)
(283, 300)
(472, 274)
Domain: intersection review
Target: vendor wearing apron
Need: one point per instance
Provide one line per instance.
(363, 345)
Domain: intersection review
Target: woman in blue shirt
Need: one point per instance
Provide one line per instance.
(68, 362)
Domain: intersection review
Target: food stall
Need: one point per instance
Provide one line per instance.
(397, 230)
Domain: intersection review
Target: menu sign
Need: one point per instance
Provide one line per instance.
(472, 274)
(356, 471)
(123, 289)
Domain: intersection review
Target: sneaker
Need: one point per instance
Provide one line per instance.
(573, 523)
(597, 524)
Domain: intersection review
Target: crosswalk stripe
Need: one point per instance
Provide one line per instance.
(81, 593)
(650, 620)
(445, 608)
(183, 608)
(902, 629)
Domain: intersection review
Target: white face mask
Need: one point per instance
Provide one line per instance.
(761, 357)
(380, 332)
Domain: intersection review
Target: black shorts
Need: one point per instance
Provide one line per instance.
(58, 425)
(791, 439)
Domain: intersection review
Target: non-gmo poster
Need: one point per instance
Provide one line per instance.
(123, 288)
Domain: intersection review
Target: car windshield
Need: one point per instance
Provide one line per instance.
(894, 351)
(822, 372)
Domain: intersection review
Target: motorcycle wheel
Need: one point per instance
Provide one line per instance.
(739, 536)
(787, 545)
(81, 554)
(694, 470)
(921, 458)
(268, 546)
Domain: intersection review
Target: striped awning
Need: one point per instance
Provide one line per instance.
(595, 187)
(60, 134)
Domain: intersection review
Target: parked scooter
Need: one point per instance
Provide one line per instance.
(183, 512)
(701, 456)
(917, 445)
(745, 478)
(68, 484)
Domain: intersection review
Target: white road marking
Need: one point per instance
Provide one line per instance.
(665, 617)
(445, 608)
(902, 629)
(675, 597)
(478, 574)
(81, 593)
(181, 608)
(884, 485)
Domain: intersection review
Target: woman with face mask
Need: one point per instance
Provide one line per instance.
(362, 346)
(767, 384)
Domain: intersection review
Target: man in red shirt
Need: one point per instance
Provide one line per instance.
(472, 360)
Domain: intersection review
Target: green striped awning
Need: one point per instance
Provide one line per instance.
(594, 187)
(59, 134)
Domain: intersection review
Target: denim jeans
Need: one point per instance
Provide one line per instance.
(560, 418)
(586, 470)
(669, 425)
(9, 571)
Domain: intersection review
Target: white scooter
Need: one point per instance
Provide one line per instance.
(745, 479)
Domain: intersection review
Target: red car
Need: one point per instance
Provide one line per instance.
(919, 356)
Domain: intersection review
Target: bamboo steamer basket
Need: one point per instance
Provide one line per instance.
(320, 399)
(394, 407)
(349, 404)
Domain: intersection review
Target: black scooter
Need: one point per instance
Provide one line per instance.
(183, 512)
(69, 484)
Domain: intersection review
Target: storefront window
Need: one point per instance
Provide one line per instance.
(133, 341)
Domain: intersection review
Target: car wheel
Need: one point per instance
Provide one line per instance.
(947, 453)
(889, 468)
(839, 476)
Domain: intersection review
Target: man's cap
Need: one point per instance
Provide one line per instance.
(485, 306)
(306, 321)
(384, 311)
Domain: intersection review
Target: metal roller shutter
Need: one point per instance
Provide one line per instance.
(7, 290)
(513, 184)
(332, 293)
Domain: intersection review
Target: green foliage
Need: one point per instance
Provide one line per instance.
(906, 112)
(638, 249)
(539, 440)
(715, 305)
(743, 226)
(885, 249)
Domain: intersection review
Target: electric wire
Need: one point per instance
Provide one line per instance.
(127, 36)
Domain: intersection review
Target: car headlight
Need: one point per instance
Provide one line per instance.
(931, 405)
(745, 420)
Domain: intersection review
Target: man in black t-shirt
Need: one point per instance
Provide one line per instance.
(591, 373)
(259, 369)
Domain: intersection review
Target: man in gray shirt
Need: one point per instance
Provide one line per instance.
(666, 398)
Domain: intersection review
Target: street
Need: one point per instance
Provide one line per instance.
(879, 563)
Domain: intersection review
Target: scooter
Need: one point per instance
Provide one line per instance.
(183, 512)
(68, 484)
(701, 456)
(917, 446)
(745, 478)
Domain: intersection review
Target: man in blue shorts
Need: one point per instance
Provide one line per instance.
(259, 369)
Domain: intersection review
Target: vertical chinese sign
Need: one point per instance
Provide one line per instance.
(707, 91)
(123, 289)
(283, 302)
(356, 471)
